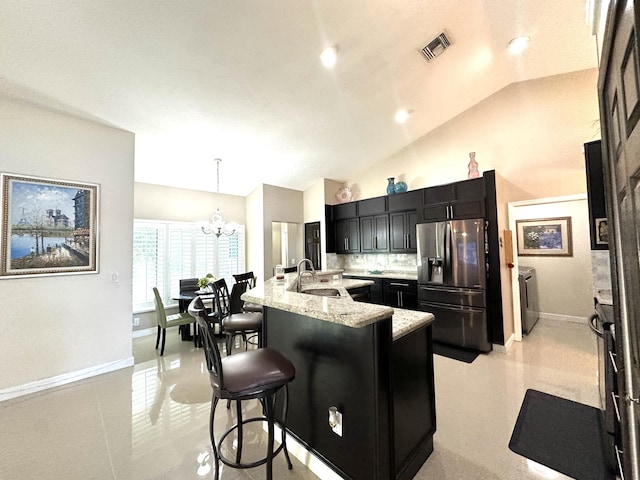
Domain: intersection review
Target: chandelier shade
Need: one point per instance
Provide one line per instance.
(217, 226)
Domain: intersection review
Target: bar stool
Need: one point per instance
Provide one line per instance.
(243, 323)
(248, 280)
(253, 374)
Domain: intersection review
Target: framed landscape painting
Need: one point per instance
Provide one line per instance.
(544, 237)
(49, 227)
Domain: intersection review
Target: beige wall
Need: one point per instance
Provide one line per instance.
(265, 205)
(51, 325)
(564, 283)
(530, 132)
(157, 202)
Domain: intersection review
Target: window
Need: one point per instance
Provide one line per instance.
(165, 252)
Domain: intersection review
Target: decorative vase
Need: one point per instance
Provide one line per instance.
(473, 166)
(391, 188)
(400, 187)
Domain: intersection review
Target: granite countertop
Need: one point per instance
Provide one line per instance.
(282, 294)
(405, 275)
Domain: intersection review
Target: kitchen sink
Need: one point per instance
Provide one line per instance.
(322, 292)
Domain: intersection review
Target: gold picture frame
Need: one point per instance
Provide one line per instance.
(548, 237)
(49, 227)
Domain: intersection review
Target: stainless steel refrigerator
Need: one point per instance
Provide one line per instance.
(452, 279)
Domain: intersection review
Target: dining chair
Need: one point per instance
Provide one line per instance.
(242, 323)
(166, 321)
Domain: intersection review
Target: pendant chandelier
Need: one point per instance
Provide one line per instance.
(217, 225)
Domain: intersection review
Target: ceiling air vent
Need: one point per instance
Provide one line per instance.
(435, 47)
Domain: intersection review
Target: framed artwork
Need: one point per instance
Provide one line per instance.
(49, 227)
(602, 231)
(544, 237)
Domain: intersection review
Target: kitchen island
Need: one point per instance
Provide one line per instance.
(373, 363)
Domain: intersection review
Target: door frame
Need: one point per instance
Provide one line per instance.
(513, 216)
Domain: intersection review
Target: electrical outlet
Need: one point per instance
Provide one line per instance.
(136, 321)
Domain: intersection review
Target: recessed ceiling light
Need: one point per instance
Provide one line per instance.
(518, 44)
(329, 56)
(402, 116)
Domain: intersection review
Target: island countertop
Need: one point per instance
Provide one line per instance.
(282, 294)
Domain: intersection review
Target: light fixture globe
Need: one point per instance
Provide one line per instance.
(217, 225)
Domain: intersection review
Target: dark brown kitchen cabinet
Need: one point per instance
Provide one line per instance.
(374, 233)
(400, 293)
(402, 202)
(372, 206)
(402, 227)
(345, 210)
(375, 290)
(454, 201)
(347, 235)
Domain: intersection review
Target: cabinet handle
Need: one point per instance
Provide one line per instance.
(375, 242)
(395, 284)
(401, 299)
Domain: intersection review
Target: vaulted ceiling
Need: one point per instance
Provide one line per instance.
(241, 79)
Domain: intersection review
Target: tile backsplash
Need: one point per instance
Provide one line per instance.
(389, 262)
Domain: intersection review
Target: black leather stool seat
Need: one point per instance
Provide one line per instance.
(252, 307)
(255, 370)
(242, 322)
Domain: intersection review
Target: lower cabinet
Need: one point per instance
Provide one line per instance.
(375, 290)
(400, 293)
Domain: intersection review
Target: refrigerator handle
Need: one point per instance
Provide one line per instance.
(447, 253)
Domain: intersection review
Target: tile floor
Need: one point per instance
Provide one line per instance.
(150, 421)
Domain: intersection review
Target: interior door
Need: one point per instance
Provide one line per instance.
(619, 97)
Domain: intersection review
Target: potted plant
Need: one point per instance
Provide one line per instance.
(204, 282)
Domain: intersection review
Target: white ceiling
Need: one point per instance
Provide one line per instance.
(242, 80)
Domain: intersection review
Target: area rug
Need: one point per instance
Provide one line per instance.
(561, 434)
(466, 356)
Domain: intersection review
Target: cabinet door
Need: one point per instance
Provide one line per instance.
(439, 194)
(434, 213)
(353, 235)
(412, 240)
(374, 233)
(467, 209)
(403, 232)
(366, 234)
(397, 231)
(401, 202)
(372, 206)
(344, 210)
(341, 234)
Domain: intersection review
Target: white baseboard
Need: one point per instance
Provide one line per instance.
(507, 345)
(562, 318)
(58, 380)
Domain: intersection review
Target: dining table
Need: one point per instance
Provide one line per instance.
(184, 298)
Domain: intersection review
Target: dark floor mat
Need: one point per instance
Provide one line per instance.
(561, 434)
(466, 356)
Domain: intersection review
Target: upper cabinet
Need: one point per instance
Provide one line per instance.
(347, 232)
(458, 200)
(401, 202)
(374, 233)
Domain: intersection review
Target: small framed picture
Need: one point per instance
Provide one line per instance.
(602, 231)
(49, 227)
(544, 237)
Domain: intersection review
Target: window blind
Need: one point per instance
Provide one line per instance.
(165, 252)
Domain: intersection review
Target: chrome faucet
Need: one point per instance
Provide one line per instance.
(305, 272)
